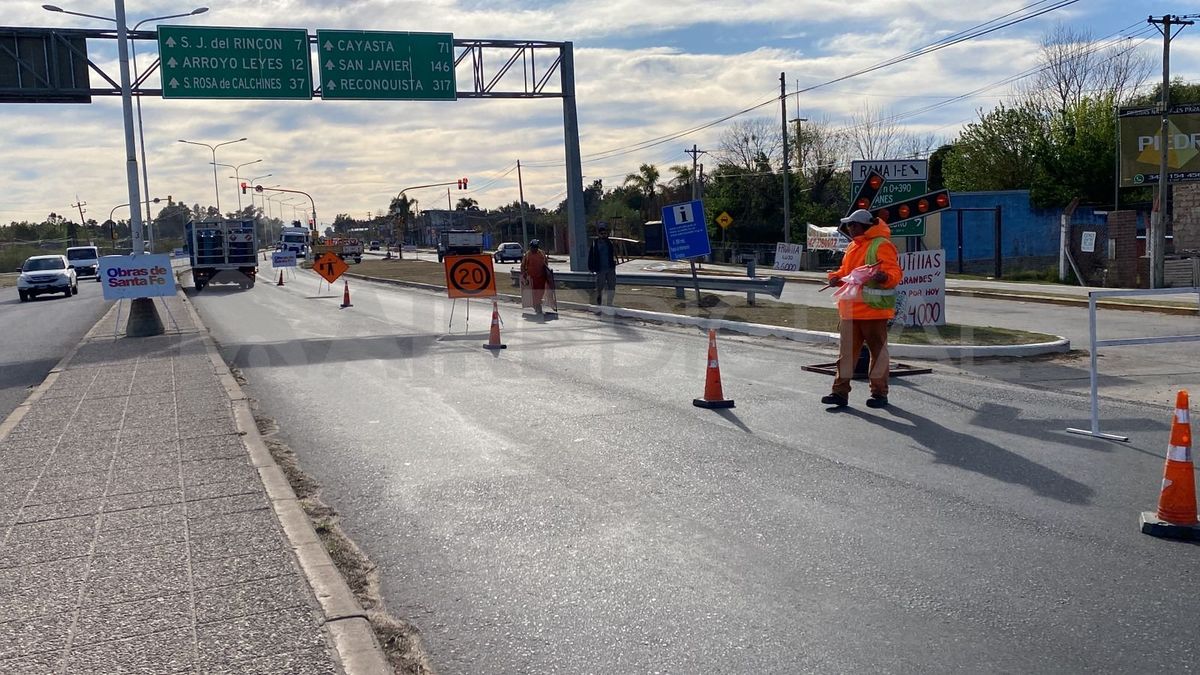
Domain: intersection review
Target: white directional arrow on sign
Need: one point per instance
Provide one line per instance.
(170, 42)
(328, 46)
(174, 83)
(172, 62)
(329, 65)
(333, 85)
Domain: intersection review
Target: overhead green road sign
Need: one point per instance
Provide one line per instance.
(207, 62)
(379, 66)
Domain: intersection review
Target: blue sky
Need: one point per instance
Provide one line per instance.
(645, 69)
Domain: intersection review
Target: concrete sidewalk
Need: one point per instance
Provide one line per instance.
(145, 528)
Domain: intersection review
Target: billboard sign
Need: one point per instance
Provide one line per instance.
(1141, 144)
(136, 276)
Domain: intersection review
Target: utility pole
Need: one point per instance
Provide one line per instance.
(787, 230)
(1157, 241)
(74, 235)
(695, 153)
(521, 194)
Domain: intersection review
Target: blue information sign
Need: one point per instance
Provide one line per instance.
(686, 231)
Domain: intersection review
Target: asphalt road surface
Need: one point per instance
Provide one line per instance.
(35, 335)
(560, 506)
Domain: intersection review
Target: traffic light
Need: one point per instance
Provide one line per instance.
(932, 202)
(866, 193)
(462, 183)
(243, 188)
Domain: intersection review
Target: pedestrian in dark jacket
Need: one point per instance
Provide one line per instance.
(602, 261)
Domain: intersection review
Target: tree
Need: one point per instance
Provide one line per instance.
(751, 144)
(873, 135)
(996, 153)
(1073, 68)
(1074, 160)
(645, 183)
(404, 210)
(466, 204)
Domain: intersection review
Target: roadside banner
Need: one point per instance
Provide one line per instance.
(787, 256)
(283, 259)
(921, 295)
(137, 276)
(826, 239)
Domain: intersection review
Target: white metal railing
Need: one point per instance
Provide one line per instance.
(1096, 344)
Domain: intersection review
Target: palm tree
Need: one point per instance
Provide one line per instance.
(404, 209)
(466, 204)
(645, 181)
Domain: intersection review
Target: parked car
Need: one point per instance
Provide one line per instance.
(374, 246)
(46, 274)
(509, 250)
(85, 260)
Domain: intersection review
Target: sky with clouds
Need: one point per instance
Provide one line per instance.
(645, 69)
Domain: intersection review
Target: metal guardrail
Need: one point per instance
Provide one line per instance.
(772, 286)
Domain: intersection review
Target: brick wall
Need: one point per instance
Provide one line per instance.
(1124, 266)
(1185, 224)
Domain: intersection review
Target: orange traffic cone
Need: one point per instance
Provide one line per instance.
(280, 282)
(713, 397)
(346, 295)
(1176, 516)
(494, 336)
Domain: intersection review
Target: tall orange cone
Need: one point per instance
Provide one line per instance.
(280, 282)
(494, 336)
(346, 294)
(1176, 516)
(713, 397)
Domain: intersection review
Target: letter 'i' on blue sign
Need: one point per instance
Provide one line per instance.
(685, 230)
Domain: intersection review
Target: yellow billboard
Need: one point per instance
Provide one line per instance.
(1141, 144)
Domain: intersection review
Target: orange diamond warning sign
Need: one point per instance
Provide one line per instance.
(330, 266)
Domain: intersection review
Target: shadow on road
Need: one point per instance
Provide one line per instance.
(287, 353)
(972, 454)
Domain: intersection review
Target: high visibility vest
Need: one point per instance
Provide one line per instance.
(877, 298)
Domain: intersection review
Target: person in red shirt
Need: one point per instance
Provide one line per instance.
(865, 316)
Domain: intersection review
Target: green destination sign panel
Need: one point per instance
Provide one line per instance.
(377, 65)
(903, 179)
(204, 62)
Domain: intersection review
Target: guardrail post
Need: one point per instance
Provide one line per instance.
(750, 263)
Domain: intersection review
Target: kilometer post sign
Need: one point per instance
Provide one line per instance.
(241, 63)
(903, 179)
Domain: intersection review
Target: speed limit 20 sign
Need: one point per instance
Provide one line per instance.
(470, 276)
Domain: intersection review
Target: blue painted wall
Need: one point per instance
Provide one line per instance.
(1025, 231)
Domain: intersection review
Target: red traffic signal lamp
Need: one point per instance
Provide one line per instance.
(243, 188)
(866, 193)
(462, 183)
(931, 202)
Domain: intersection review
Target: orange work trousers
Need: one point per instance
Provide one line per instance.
(854, 333)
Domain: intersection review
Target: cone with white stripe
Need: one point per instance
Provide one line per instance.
(713, 396)
(1176, 515)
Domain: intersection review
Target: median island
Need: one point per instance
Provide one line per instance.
(730, 307)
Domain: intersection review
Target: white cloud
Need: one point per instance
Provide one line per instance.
(639, 77)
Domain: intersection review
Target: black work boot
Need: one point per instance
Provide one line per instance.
(837, 400)
(877, 401)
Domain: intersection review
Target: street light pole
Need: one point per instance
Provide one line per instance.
(237, 177)
(213, 148)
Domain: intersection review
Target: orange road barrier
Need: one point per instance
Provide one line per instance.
(713, 397)
(494, 336)
(280, 282)
(346, 295)
(1176, 516)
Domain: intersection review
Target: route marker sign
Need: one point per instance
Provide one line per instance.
(904, 179)
(209, 62)
(330, 266)
(470, 276)
(686, 231)
(386, 66)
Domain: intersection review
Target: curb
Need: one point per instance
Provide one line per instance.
(346, 620)
(930, 352)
